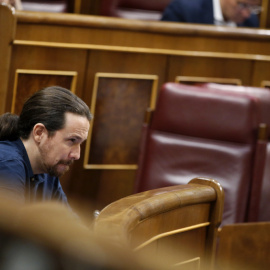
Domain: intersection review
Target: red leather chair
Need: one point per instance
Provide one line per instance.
(263, 96)
(195, 132)
(133, 9)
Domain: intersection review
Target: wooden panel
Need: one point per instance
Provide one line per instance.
(179, 248)
(215, 68)
(140, 34)
(27, 82)
(149, 230)
(244, 246)
(37, 59)
(172, 223)
(261, 72)
(123, 62)
(265, 84)
(183, 245)
(264, 16)
(7, 33)
(190, 264)
(119, 103)
(89, 7)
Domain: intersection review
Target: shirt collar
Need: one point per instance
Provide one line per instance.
(218, 16)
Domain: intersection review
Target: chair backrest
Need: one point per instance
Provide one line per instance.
(207, 133)
(176, 225)
(244, 246)
(261, 94)
(260, 189)
(133, 9)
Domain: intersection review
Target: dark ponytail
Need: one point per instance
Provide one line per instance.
(9, 127)
(47, 106)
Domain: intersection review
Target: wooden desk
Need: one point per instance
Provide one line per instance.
(175, 225)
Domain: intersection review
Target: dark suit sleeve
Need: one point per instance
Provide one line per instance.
(174, 12)
(252, 21)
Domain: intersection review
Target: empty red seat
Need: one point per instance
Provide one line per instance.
(263, 97)
(195, 132)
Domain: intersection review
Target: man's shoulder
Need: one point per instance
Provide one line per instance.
(190, 11)
(192, 4)
(12, 157)
(252, 21)
(9, 150)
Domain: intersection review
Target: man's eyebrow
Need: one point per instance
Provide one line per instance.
(74, 136)
(77, 137)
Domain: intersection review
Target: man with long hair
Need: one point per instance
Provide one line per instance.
(40, 144)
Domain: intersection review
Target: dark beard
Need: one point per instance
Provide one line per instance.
(52, 170)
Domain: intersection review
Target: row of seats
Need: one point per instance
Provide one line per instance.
(131, 9)
(204, 132)
(178, 226)
(215, 131)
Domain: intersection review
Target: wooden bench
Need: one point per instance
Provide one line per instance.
(176, 225)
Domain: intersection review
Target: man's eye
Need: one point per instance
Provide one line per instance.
(72, 140)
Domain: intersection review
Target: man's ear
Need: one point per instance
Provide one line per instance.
(39, 131)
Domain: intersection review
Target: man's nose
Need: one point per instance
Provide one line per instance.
(75, 152)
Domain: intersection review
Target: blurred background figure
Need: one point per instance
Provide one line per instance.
(14, 3)
(217, 12)
(47, 235)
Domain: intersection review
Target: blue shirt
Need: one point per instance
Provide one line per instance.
(17, 178)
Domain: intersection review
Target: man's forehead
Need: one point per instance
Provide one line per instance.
(76, 122)
(69, 117)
